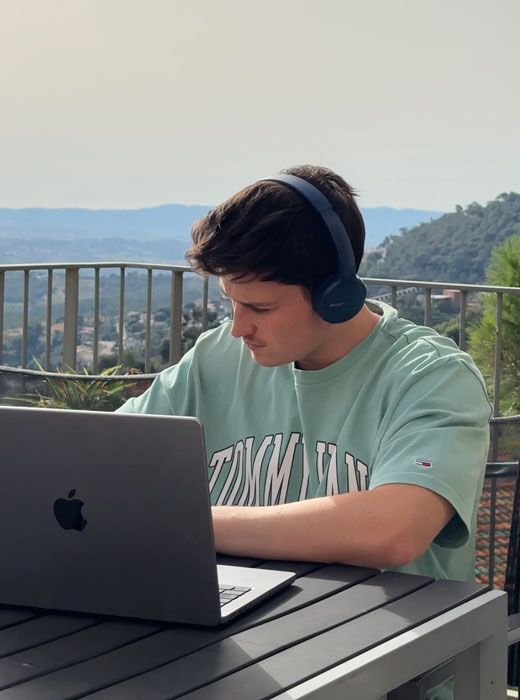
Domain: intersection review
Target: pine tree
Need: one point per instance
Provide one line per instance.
(503, 270)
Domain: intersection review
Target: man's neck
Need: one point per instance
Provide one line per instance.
(340, 339)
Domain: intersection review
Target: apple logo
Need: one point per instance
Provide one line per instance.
(68, 512)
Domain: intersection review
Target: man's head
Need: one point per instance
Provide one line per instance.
(269, 232)
(271, 250)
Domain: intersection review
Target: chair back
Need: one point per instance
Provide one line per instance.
(498, 523)
(494, 523)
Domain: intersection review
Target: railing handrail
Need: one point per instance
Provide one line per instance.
(443, 285)
(94, 265)
(42, 374)
(426, 284)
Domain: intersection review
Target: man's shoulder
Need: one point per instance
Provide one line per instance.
(415, 351)
(398, 334)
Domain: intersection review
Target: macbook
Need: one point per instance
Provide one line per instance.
(109, 513)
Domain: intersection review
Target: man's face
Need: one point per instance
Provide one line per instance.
(277, 323)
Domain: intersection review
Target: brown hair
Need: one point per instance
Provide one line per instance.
(270, 232)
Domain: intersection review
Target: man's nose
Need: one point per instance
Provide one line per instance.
(242, 325)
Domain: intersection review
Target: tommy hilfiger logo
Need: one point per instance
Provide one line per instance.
(422, 463)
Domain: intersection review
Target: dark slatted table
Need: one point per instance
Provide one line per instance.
(338, 632)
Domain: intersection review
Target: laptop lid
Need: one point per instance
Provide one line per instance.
(110, 514)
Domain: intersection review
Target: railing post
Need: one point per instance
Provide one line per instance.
(48, 322)
(462, 326)
(121, 335)
(205, 287)
(70, 330)
(428, 306)
(148, 322)
(498, 356)
(2, 286)
(95, 340)
(25, 321)
(496, 380)
(176, 318)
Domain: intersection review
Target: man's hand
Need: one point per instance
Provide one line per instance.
(387, 527)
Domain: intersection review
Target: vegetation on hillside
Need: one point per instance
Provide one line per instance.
(504, 270)
(457, 247)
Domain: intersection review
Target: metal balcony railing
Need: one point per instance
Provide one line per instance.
(71, 308)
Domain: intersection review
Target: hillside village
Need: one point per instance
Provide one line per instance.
(134, 335)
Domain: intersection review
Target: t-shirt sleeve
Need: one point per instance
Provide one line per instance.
(171, 393)
(192, 387)
(437, 437)
(153, 400)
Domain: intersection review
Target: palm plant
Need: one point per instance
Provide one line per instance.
(67, 392)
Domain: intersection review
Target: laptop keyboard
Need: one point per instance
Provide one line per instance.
(229, 593)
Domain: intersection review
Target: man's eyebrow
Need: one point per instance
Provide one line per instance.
(258, 304)
(251, 304)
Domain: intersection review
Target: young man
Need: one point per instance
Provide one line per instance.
(358, 438)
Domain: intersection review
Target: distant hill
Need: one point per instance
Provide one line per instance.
(168, 220)
(455, 247)
(153, 234)
(386, 221)
(40, 250)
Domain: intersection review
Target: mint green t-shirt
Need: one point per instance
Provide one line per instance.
(404, 406)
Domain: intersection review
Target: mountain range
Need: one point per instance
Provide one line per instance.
(455, 247)
(153, 234)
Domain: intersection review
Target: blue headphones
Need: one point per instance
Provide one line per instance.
(341, 296)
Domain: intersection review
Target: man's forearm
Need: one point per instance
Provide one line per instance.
(387, 527)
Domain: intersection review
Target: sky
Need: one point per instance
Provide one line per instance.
(135, 103)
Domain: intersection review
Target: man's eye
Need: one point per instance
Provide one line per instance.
(259, 311)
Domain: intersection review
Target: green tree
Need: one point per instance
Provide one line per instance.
(503, 270)
(130, 359)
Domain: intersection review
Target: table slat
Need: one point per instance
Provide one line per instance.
(178, 640)
(12, 616)
(41, 630)
(223, 657)
(69, 650)
(252, 645)
(307, 589)
(303, 661)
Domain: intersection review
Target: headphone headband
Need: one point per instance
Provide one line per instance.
(331, 221)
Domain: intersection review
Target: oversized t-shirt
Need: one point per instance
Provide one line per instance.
(404, 406)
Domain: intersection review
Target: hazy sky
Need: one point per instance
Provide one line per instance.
(132, 103)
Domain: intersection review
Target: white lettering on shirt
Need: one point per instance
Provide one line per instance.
(241, 476)
(277, 478)
(217, 462)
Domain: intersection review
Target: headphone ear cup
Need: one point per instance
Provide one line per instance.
(338, 300)
(321, 293)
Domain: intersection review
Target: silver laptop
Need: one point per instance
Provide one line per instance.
(109, 513)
